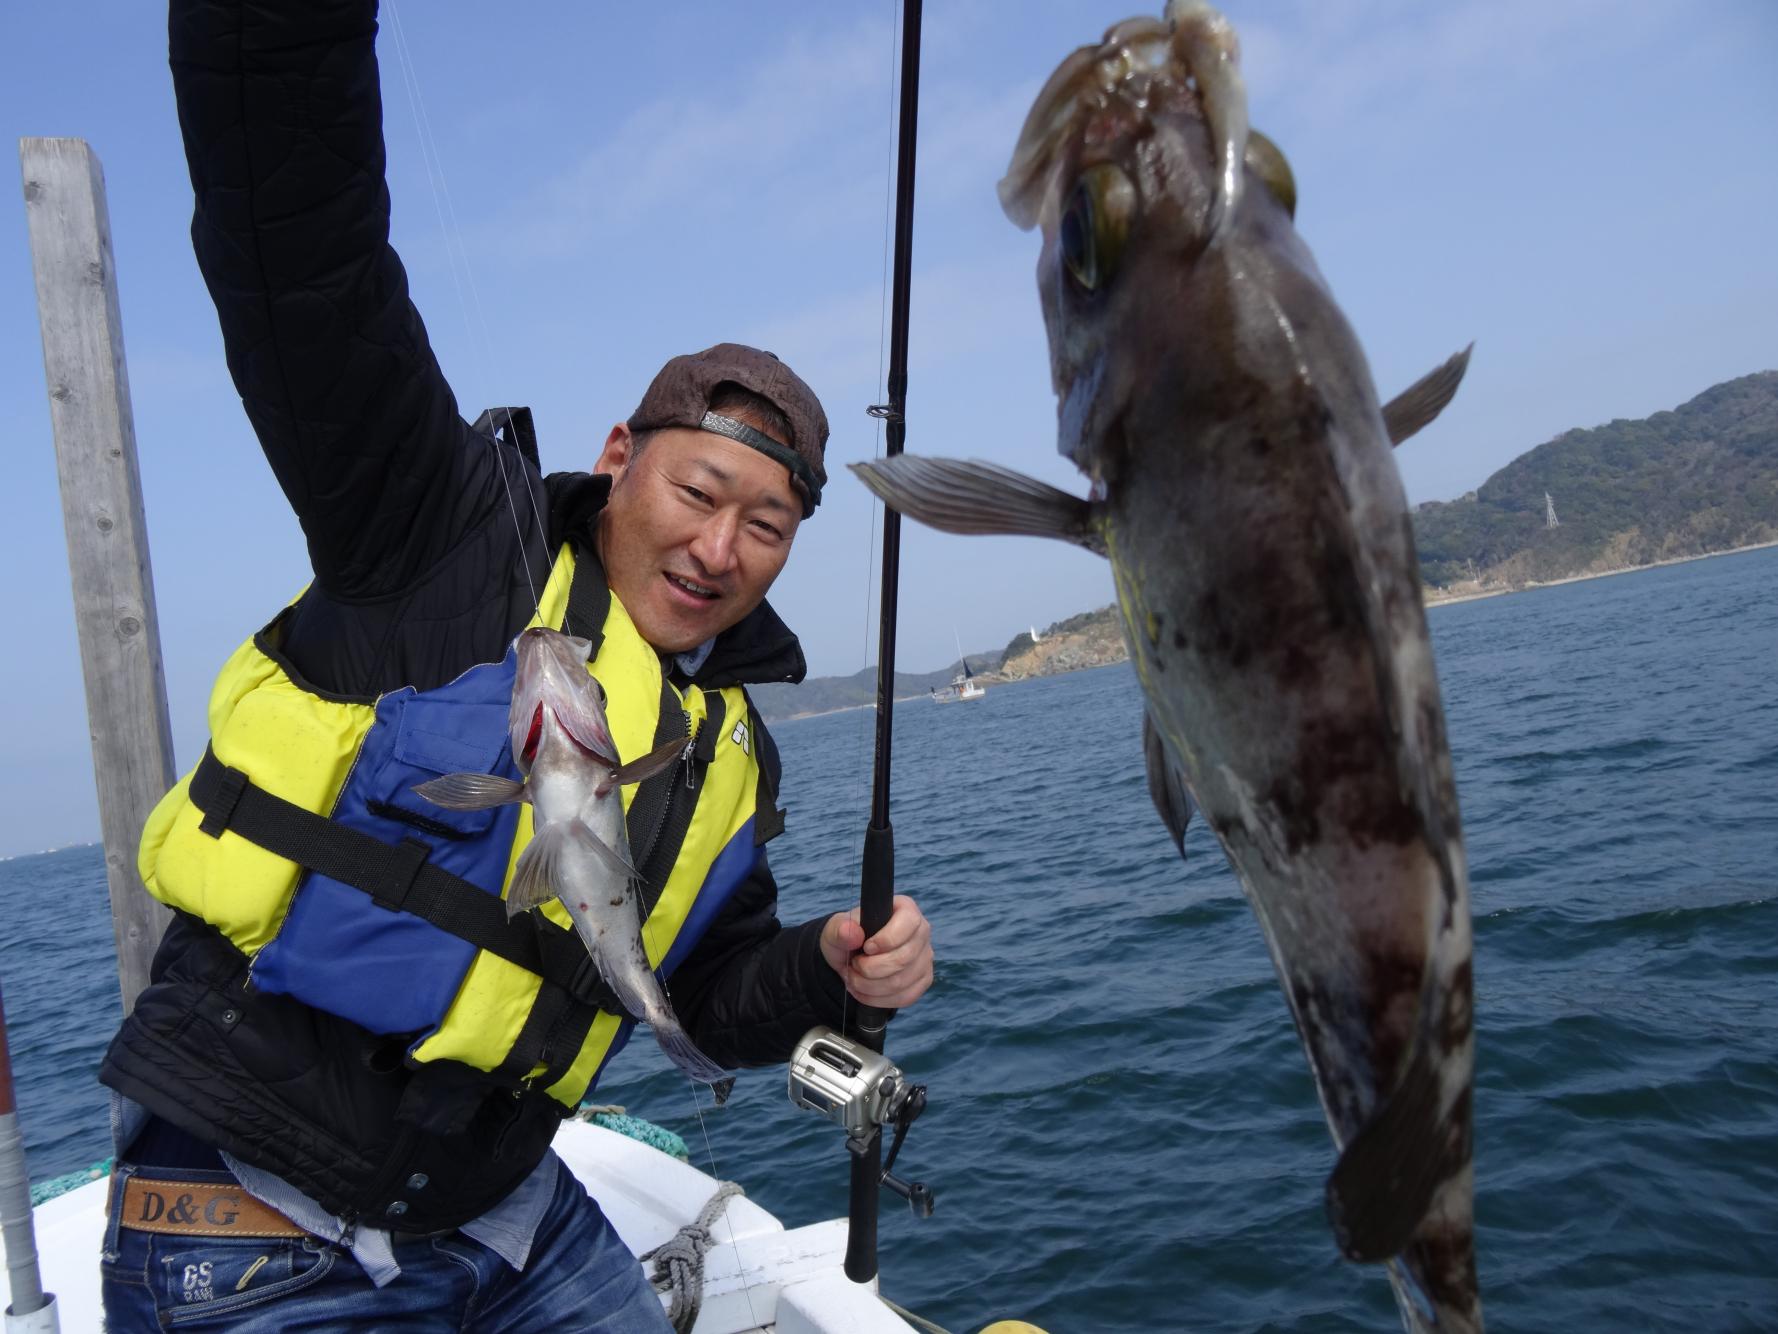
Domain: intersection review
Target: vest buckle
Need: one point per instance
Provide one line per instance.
(406, 859)
(221, 806)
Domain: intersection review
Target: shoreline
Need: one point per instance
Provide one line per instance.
(1532, 584)
(1430, 602)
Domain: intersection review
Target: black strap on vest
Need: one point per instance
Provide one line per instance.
(655, 840)
(397, 876)
(589, 600)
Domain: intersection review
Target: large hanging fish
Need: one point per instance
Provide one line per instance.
(1243, 488)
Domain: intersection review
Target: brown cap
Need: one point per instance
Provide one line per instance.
(680, 396)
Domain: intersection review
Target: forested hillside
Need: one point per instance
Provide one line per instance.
(1701, 478)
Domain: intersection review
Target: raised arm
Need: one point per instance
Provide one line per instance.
(281, 111)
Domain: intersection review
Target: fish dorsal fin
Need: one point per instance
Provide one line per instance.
(1416, 406)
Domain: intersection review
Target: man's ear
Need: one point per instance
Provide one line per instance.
(620, 448)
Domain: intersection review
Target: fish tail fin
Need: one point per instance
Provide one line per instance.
(684, 1053)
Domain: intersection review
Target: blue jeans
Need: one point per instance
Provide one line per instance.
(580, 1277)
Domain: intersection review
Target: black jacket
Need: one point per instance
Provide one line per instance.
(419, 530)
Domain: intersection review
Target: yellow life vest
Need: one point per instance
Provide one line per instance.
(297, 838)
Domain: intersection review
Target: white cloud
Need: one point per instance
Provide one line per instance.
(748, 147)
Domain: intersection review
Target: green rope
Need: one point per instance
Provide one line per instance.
(647, 1132)
(59, 1186)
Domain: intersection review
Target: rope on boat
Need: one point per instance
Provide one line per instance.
(679, 1261)
(647, 1132)
(56, 1187)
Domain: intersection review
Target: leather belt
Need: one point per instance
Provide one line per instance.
(199, 1209)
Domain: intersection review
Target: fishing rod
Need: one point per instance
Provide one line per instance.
(901, 1101)
(847, 1078)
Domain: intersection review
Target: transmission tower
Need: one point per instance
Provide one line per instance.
(1549, 512)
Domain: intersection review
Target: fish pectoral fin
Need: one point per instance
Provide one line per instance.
(471, 792)
(1387, 1174)
(1416, 406)
(537, 871)
(661, 757)
(1166, 784)
(970, 497)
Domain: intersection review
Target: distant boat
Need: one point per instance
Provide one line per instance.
(963, 684)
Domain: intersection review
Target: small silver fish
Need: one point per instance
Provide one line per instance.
(1243, 488)
(579, 851)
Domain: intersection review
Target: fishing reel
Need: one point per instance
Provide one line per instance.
(863, 1091)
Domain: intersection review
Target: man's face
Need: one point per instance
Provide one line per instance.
(696, 530)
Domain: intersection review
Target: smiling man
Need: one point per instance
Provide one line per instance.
(349, 1060)
(712, 474)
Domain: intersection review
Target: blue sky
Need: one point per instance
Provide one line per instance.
(1585, 188)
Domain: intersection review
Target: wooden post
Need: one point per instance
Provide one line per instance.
(95, 435)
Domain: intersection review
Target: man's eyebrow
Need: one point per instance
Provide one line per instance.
(727, 478)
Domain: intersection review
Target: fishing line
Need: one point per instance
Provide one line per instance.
(481, 347)
(867, 600)
(734, 1242)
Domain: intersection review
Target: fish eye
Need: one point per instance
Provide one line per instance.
(1273, 168)
(1096, 224)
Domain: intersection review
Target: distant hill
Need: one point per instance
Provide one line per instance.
(1701, 478)
(1698, 479)
(1091, 639)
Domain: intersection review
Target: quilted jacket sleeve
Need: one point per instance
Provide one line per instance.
(281, 111)
(752, 987)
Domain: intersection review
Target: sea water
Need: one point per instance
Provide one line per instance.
(1122, 1132)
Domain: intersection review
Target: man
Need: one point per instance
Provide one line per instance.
(336, 1096)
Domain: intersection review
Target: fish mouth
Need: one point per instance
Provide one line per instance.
(1139, 61)
(597, 746)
